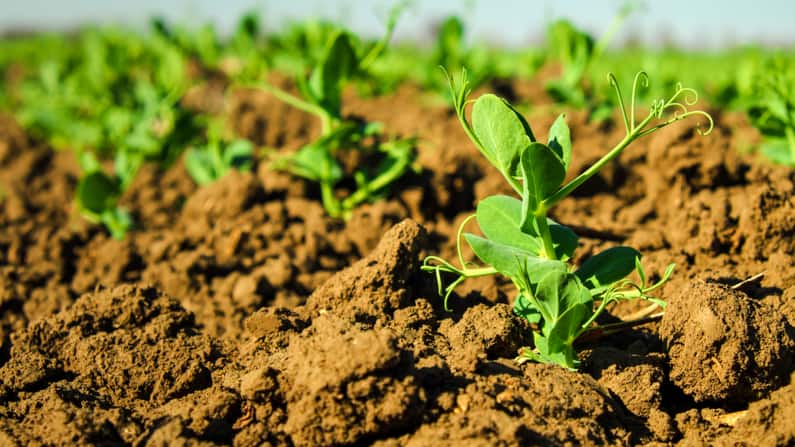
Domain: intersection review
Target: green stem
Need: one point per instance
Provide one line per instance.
(791, 141)
(543, 230)
(378, 48)
(596, 167)
(381, 181)
(595, 315)
(293, 100)
(330, 202)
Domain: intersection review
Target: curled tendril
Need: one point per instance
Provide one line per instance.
(642, 79)
(611, 78)
(677, 105)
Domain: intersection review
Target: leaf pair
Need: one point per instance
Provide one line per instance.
(212, 161)
(500, 218)
(507, 141)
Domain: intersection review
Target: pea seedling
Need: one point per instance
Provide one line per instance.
(576, 50)
(322, 96)
(774, 114)
(98, 194)
(535, 252)
(211, 161)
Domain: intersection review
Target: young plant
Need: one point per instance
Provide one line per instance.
(321, 95)
(774, 114)
(98, 194)
(211, 161)
(576, 50)
(519, 240)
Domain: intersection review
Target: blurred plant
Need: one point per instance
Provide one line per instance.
(98, 194)
(773, 112)
(344, 59)
(576, 50)
(209, 162)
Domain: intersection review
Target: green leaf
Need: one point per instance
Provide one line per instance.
(559, 293)
(337, 65)
(608, 266)
(552, 350)
(564, 239)
(502, 131)
(315, 162)
(88, 162)
(239, 155)
(560, 140)
(199, 165)
(523, 307)
(565, 306)
(118, 221)
(97, 192)
(126, 165)
(499, 217)
(778, 151)
(542, 174)
(506, 259)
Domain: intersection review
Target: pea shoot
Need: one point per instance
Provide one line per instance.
(521, 242)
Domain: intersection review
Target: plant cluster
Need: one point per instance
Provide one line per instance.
(343, 59)
(522, 243)
(117, 96)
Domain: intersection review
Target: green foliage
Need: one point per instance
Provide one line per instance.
(576, 51)
(209, 162)
(317, 162)
(98, 195)
(573, 49)
(773, 112)
(344, 58)
(520, 242)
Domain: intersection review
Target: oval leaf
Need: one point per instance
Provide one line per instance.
(559, 140)
(542, 174)
(501, 130)
(608, 266)
(506, 259)
(499, 216)
(564, 239)
(338, 64)
(97, 192)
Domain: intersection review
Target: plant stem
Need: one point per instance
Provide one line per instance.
(596, 167)
(330, 202)
(382, 180)
(543, 230)
(294, 101)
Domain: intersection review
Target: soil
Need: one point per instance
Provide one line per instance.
(240, 314)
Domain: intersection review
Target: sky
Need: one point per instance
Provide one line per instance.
(689, 23)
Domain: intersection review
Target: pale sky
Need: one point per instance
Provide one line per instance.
(686, 22)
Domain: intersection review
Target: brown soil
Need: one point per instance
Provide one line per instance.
(239, 313)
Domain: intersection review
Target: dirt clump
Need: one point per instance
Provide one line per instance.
(378, 284)
(724, 346)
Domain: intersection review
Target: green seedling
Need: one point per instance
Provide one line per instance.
(211, 161)
(98, 194)
(773, 113)
(576, 50)
(522, 243)
(321, 95)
